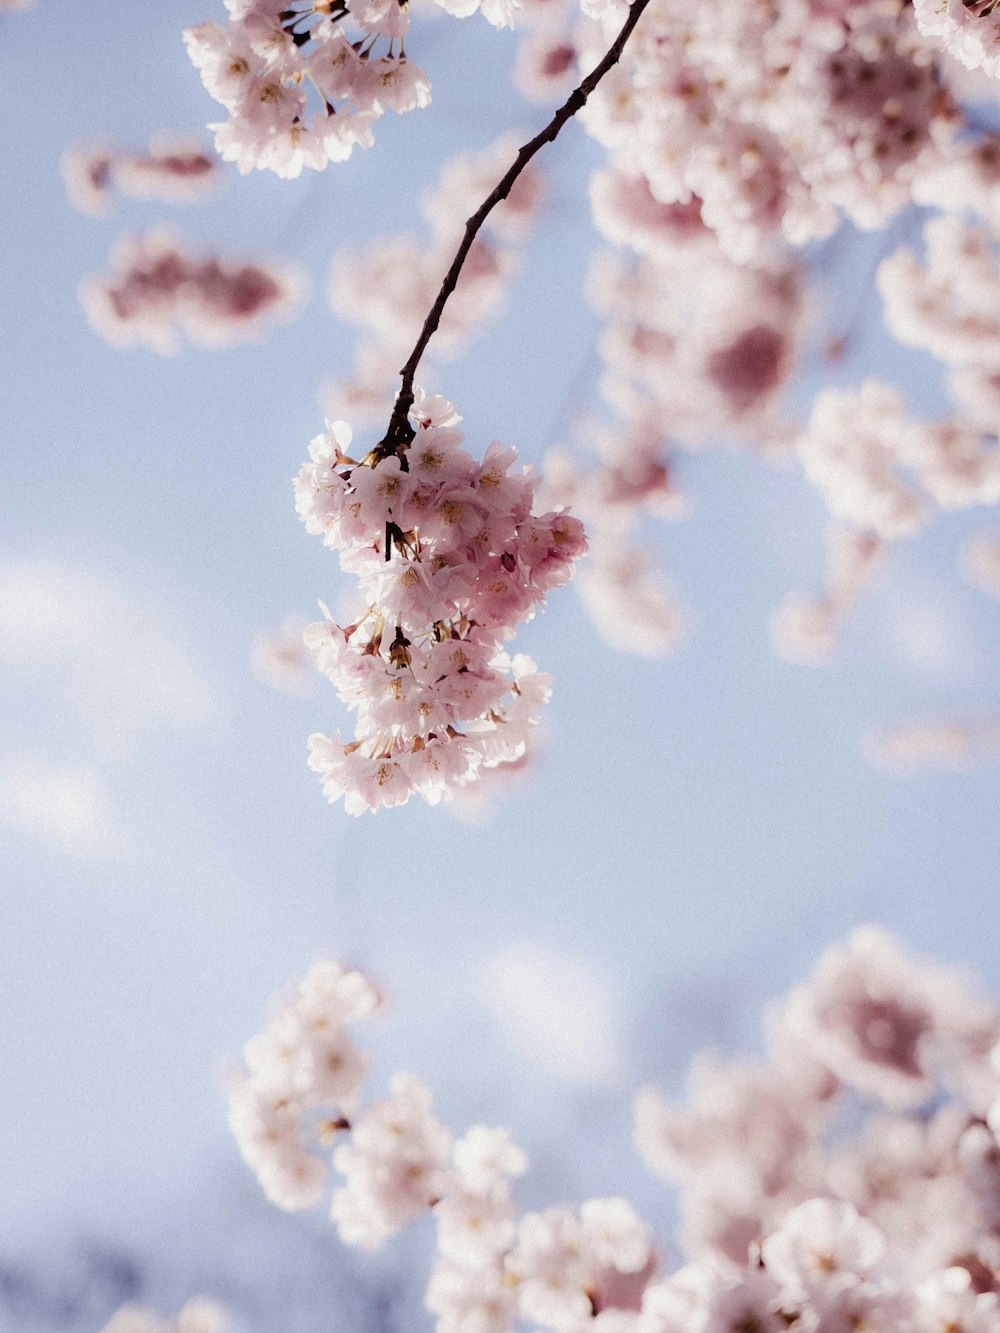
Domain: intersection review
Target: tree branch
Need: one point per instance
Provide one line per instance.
(399, 432)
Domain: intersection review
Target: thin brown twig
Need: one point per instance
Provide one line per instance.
(399, 432)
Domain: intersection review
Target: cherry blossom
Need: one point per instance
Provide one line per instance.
(878, 468)
(174, 169)
(839, 110)
(970, 31)
(848, 1180)
(303, 1073)
(303, 81)
(947, 304)
(157, 288)
(450, 559)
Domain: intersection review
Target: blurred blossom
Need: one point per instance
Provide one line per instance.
(174, 169)
(940, 744)
(282, 661)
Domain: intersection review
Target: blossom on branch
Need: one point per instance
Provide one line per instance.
(450, 558)
(303, 81)
(838, 110)
(968, 29)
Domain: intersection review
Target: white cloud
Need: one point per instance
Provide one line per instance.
(64, 807)
(112, 661)
(933, 637)
(557, 1011)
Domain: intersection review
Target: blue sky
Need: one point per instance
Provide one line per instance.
(697, 830)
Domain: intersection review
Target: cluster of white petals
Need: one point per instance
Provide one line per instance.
(695, 349)
(848, 1181)
(303, 81)
(807, 630)
(856, 1167)
(879, 469)
(557, 1268)
(837, 110)
(695, 340)
(173, 169)
(949, 303)
(631, 606)
(451, 559)
(303, 1076)
(157, 289)
(395, 1162)
(197, 1316)
(968, 29)
(918, 747)
(388, 288)
(966, 179)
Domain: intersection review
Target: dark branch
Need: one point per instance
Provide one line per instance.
(399, 432)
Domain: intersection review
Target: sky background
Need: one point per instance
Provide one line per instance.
(694, 833)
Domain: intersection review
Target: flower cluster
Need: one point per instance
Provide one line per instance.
(848, 1181)
(198, 1316)
(839, 109)
(303, 1073)
(398, 1162)
(759, 1152)
(857, 445)
(630, 607)
(388, 289)
(968, 29)
(157, 288)
(451, 559)
(696, 348)
(946, 304)
(696, 340)
(966, 179)
(175, 170)
(262, 65)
